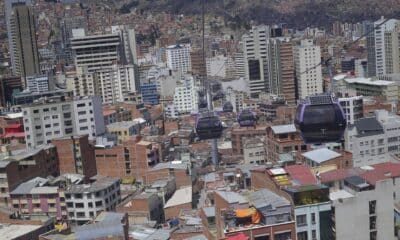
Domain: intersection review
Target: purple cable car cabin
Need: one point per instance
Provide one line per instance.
(247, 118)
(208, 126)
(320, 119)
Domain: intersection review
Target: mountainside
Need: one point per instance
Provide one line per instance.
(296, 13)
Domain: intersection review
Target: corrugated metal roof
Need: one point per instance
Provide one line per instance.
(99, 230)
(232, 197)
(280, 129)
(264, 198)
(321, 155)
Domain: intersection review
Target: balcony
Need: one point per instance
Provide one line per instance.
(35, 201)
(52, 210)
(15, 201)
(51, 200)
(37, 210)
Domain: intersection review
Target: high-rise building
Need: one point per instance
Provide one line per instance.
(8, 14)
(67, 24)
(371, 65)
(185, 97)
(197, 62)
(114, 83)
(178, 58)
(80, 81)
(56, 118)
(25, 53)
(269, 63)
(309, 76)
(95, 52)
(128, 43)
(387, 47)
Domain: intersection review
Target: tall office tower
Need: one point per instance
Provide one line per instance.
(268, 62)
(115, 83)
(178, 57)
(67, 24)
(239, 63)
(25, 53)
(8, 13)
(255, 54)
(371, 65)
(128, 43)
(387, 51)
(197, 62)
(95, 52)
(287, 82)
(309, 78)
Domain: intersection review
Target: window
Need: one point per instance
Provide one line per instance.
(372, 207)
(78, 196)
(81, 105)
(313, 218)
(54, 117)
(314, 235)
(99, 203)
(36, 111)
(81, 112)
(302, 236)
(301, 220)
(79, 205)
(66, 107)
(264, 237)
(67, 115)
(283, 236)
(45, 109)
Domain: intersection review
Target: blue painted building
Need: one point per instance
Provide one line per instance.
(149, 93)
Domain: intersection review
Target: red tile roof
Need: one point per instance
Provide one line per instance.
(381, 171)
(108, 112)
(339, 174)
(301, 174)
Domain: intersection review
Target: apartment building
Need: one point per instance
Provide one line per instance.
(283, 142)
(185, 96)
(22, 165)
(373, 139)
(352, 107)
(388, 90)
(370, 207)
(76, 155)
(178, 57)
(113, 84)
(36, 196)
(48, 119)
(86, 201)
(309, 79)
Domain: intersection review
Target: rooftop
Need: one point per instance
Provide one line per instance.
(181, 196)
(321, 155)
(232, 197)
(172, 164)
(341, 194)
(126, 124)
(368, 127)
(14, 231)
(301, 174)
(263, 198)
(369, 81)
(282, 129)
(98, 185)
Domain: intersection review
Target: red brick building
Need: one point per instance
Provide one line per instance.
(19, 166)
(283, 140)
(238, 135)
(132, 158)
(76, 155)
